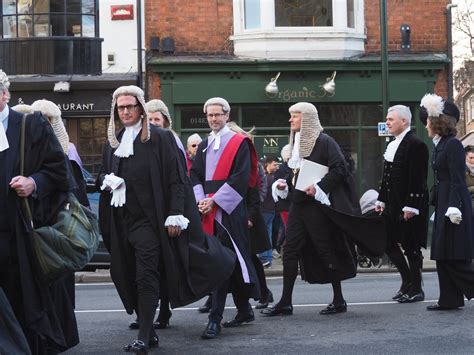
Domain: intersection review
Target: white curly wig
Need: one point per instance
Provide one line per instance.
(219, 101)
(310, 127)
(159, 106)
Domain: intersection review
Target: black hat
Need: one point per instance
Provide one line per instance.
(433, 105)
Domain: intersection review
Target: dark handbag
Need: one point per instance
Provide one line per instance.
(69, 244)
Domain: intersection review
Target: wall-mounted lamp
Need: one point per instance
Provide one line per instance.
(62, 86)
(329, 88)
(272, 87)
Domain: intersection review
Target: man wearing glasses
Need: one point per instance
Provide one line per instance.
(224, 167)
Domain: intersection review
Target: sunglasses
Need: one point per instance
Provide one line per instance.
(194, 145)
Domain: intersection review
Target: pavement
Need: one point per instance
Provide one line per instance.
(103, 275)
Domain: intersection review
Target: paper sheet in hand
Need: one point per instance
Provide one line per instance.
(310, 173)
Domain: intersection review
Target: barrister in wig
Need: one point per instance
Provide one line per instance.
(45, 184)
(224, 169)
(146, 212)
(403, 197)
(452, 242)
(321, 216)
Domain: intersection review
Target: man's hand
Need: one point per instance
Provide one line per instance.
(310, 191)
(174, 231)
(379, 209)
(407, 215)
(23, 186)
(205, 205)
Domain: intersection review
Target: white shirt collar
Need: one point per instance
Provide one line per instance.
(125, 149)
(217, 137)
(3, 136)
(4, 114)
(295, 160)
(392, 147)
(436, 139)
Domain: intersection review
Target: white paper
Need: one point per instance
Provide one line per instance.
(310, 173)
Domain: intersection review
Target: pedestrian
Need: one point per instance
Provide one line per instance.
(470, 172)
(45, 183)
(325, 252)
(403, 199)
(145, 197)
(192, 144)
(223, 170)
(452, 243)
(268, 207)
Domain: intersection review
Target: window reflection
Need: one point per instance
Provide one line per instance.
(25, 6)
(25, 26)
(303, 13)
(252, 14)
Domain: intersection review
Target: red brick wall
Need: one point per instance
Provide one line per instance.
(202, 26)
(426, 18)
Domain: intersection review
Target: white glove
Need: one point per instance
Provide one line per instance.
(279, 193)
(118, 196)
(111, 182)
(454, 215)
(177, 221)
(321, 196)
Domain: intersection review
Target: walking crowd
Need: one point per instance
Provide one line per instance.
(182, 223)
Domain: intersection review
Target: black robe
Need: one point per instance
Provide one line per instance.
(259, 240)
(194, 263)
(344, 214)
(451, 241)
(45, 162)
(404, 185)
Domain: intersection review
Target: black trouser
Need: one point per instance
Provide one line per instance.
(240, 294)
(456, 280)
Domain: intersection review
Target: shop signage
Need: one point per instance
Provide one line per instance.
(383, 129)
(270, 145)
(292, 95)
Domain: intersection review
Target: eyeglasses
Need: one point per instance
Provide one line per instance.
(216, 115)
(128, 107)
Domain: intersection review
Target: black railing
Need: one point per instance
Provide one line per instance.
(51, 55)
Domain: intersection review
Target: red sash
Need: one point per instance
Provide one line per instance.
(222, 173)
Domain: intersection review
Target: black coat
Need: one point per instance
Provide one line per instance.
(259, 240)
(194, 263)
(344, 215)
(45, 161)
(404, 185)
(451, 241)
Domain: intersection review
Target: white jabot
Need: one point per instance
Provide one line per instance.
(125, 149)
(436, 139)
(393, 146)
(216, 137)
(3, 136)
(295, 160)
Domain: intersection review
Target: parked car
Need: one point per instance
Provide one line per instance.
(101, 258)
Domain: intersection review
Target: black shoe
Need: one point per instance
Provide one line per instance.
(437, 307)
(154, 342)
(332, 309)
(277, 311)
(401, 292)
(410, 299)
(134, 324)
(137, 347)
(162, 322)
(213, 329)
(239, 320)
(265, 301)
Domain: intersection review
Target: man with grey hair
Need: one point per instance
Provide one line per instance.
(403, 199)
(224, 169)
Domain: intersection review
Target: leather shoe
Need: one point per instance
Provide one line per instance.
(213, 329)
(332, 309)
(162, 322)
(410, 299)
(265, 301)
(137, 347)
(437, 307)
(204, 309)
(154, 342)
(401, 292)
(239, 320)
(277, 311)
(134, 324)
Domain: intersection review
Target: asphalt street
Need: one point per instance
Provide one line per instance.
(373, 324)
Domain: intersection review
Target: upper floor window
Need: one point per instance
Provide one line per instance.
(46, 18)
(298, 28)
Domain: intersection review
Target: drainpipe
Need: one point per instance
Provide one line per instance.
(139, 44)
(384, 55)
(449, 25)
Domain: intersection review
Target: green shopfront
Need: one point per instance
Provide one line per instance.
(350, 116)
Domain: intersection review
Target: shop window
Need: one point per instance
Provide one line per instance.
(91, 137)
(44, 18)
(252, 14)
